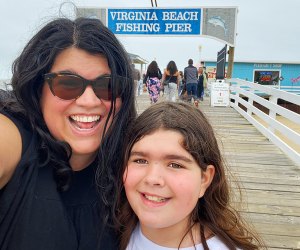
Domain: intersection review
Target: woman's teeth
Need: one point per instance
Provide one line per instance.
(84, 122)
(85, 118)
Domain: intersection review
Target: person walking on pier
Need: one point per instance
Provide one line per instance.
(170, 81)
(136, 78)
(191, 79)
(152, 81)
(202, 82)
(181, 84)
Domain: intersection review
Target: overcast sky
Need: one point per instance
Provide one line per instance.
(266, 30)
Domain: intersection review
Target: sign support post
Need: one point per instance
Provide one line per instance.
(230, 62)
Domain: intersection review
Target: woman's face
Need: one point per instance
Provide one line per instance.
(78, 122)
(163, 182)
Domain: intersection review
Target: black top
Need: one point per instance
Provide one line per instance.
(35, 216)
(152, 75)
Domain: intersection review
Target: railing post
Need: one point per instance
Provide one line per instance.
(272, 113)
(250, 101)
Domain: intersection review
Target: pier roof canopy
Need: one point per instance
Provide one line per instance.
(137, 59)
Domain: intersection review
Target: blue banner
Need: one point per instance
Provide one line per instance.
(154, 21)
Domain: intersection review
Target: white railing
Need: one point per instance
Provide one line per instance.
(245, 93)
(292, 89)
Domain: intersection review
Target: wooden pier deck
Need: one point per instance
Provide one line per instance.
(270, 181)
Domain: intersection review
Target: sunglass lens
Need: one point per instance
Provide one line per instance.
(102, 88)
(67, 87)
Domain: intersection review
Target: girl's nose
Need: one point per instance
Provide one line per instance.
(154, 175)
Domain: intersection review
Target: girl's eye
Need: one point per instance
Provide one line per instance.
(175, 165)
(140, 161)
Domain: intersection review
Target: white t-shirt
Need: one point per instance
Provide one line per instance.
(139, 242)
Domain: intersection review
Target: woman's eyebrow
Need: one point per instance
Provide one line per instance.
(137, 153)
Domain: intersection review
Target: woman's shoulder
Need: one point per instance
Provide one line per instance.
(10, 148)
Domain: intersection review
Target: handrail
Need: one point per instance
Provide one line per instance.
(267, 96)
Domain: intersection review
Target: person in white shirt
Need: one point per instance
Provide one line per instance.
(175, 194)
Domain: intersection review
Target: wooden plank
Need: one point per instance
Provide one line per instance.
(281, 242)
(270, 209)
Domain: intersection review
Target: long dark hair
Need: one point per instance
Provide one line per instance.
(152, 68)
(37, 59)
(213, 211)
(172, 68)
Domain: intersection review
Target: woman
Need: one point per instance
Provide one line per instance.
(181, 84)
(152, 80)
(202, 79)
(170, 80)
(72, 101)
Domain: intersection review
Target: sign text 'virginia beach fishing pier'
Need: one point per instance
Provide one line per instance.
(216, 22)
(155, 21)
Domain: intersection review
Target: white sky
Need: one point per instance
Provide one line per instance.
(267, 30)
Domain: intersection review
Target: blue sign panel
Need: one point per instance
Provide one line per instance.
(154, 21)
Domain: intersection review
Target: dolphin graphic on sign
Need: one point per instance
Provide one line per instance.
(218, 21)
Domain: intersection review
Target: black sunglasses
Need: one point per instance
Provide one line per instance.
(69, 86)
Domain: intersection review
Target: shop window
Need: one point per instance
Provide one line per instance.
(266, 77)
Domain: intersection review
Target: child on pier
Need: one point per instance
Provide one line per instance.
(177, 194)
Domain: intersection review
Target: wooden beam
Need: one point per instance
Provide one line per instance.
(230, 62)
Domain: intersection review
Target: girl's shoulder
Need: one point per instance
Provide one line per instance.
(215, 243)
(139, 241)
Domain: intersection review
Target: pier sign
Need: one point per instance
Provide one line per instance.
(215, 22)
(154, 21)
(219, 94)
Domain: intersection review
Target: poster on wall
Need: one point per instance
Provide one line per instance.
(212, 73)
(266, 77)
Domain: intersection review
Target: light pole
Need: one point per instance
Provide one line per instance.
(200, 50)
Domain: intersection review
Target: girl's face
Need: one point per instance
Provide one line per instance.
(79, 122)
(163, 182)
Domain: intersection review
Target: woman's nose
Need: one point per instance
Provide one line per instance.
(88, 98)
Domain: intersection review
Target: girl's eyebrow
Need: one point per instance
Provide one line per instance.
(179, 157)
(168, 156)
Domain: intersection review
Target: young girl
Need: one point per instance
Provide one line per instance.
(177, 195)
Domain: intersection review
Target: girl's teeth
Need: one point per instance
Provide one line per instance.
(154, 198)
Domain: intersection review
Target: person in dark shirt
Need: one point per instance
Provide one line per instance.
(136, 77)
(191, 79)
(62, 131)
